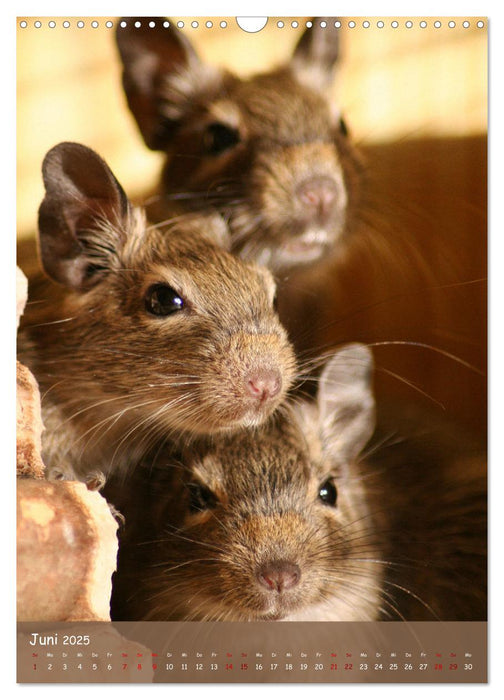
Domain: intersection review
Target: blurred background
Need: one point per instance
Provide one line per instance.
(415, 99)
(394, 83)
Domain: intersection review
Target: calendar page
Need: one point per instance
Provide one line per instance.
(251, 349)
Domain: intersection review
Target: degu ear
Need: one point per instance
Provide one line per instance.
(212, 227)
(346, 402)
(82, 219)
(316, 54)
(151, 49)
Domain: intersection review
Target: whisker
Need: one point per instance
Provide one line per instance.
(427, 346)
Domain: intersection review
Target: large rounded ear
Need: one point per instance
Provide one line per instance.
(346, 402)
(316, 54)
(150, 53)
(83, 217)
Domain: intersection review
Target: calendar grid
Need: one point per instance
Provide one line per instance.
(164, 652)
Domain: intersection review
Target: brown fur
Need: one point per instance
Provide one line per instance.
(409, 264)
(114, 378)
(286, 135)
(406, 540)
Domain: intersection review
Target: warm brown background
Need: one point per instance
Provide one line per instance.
(416, 98)
(393, 84)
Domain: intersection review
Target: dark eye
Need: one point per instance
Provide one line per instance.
(162, 300)
(200, 498)
(343, 127)
(328, 493)
(219, 137)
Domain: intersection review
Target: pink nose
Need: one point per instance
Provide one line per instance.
(318, 195)
(264, 385)
(279, 575)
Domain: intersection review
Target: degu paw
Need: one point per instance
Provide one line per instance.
(95, 480)
(119, 517)
(61, 474)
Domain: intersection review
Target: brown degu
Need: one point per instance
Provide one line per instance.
(270, 152)
(382, 243)
(138, 333)
(288, 522)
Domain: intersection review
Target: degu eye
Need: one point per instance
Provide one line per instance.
(162, 300)
(328, 493)
(219, 138)
(200, 498)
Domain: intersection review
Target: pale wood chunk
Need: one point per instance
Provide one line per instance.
(67, 552)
